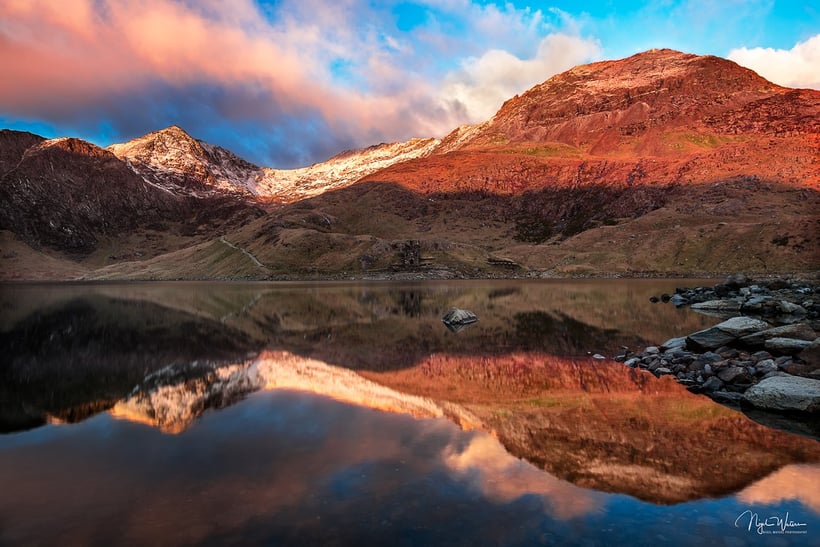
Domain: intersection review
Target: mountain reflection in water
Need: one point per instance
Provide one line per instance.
(349, 415)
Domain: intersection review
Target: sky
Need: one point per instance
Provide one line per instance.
(287, 83)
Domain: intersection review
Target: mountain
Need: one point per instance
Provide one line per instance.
(660, 163)
(171, 158)
(69, 199)
(657, 117)
(176, 161)
(289, 185)
(67, 193)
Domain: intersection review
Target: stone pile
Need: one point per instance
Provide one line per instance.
(772, 364)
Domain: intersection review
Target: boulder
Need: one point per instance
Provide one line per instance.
(457, 319)
(765, 366)
(790, 308)
(712, 384)
(736, 281)
(674, 343)
(733, 374)
(790, 346)
(718, 305)
(678, 300)
(799, 331)
(811, 355)
(724, 333)
(789, 393)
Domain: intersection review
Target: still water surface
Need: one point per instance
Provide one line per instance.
(347, 414)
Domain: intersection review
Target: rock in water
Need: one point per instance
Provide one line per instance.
(457, 319)
(793, 393)
(724, 333)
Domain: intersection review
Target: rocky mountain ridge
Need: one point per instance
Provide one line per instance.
(564, 180)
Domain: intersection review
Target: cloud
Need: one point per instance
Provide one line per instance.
(480, 87)
(795, 67)
(312, 74)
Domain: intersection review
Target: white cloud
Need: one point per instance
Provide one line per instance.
(479, 88)
(795, 67)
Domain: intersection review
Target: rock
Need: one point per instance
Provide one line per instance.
(633, 362)
(727, 397)
(652, 350)
(598, 356)
(457, 319)
(792, 393)
(712, 357)
(790, 346)
(790, 308)
(678, 300)
(712, 384)
(811, 355)
(724, 333)
(662, 370)
(736, 281)
(674, 343)
(757, 304)
(760, 355)
(765, 366)
(799, 331)
(718, 305)
(732, 374)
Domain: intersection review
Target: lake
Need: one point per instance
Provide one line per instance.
(348, 414)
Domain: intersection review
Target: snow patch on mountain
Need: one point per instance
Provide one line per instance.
(340, 171)
(179, 163)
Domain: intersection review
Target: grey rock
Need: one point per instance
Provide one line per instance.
(732, 374)
(760, 355)
(652, 350)
(712, 384)
(718, 305)
(765, 366)
(727, 397)
(598, 356)
(457, 319)
(790, 308)
(736, 281)
(662, 370)
(757, 303)
(712, 357)
(811, 355)
(633, 362)
(724, 333)
(799, 331)
(785, 393)
(678, 300)
(674, 344)
(790, 346)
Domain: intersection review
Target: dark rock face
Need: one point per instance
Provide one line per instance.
(66, 193)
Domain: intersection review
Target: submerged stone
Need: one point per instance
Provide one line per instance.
(457, 319)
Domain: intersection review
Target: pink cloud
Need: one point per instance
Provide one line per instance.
(65, 58)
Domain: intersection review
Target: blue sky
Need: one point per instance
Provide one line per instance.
(290, 82)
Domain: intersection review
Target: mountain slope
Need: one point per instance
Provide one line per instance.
(172, 158)
(660, 163)
(66, 193)
(659, 117)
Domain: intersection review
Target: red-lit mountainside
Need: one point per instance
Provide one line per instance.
(660, 163)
